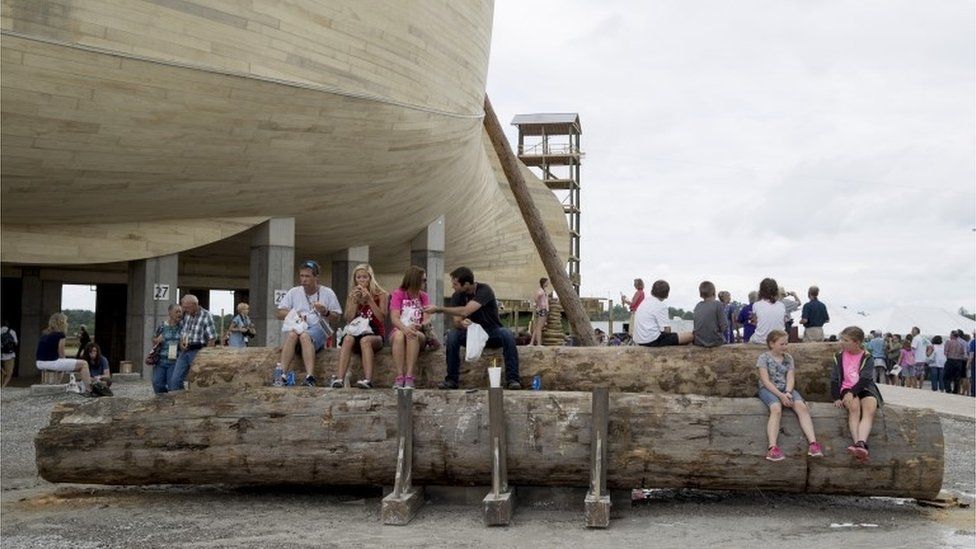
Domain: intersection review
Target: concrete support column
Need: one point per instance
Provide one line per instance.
(272, 269)
(151, 290)
(343, 265)
(427, 252)
(39, 300)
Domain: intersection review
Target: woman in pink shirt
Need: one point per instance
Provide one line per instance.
(635, 301)
(408, 316)
(852, 386)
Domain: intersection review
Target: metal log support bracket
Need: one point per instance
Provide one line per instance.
(500, 502)
(403, 503)
(597, 503)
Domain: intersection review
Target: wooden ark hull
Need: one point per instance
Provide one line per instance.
(134, 129)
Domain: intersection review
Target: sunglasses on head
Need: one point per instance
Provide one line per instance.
(309, 264)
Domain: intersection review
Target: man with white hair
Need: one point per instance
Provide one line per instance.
(196, 332)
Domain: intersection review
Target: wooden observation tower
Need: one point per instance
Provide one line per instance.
(551, 143)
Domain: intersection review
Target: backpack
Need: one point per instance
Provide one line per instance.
(8, 344)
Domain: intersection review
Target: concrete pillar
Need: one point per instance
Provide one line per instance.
(343, 265)
(272, 269)
(30, 322)
(151, 290)
(427, 252)
(39, 300)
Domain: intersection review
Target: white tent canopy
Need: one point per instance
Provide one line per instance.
(931, 321)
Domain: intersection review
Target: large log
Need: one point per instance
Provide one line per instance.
(314, 436)
(728, 371)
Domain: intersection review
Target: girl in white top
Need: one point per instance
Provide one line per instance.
(541, 312)
(769, 313)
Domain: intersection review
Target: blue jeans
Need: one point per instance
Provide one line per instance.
(497, 337)
(160, 375)
(935, 376)
(182, 367)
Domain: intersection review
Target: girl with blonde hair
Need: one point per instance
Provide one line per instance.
(369, 302)
(50, 352)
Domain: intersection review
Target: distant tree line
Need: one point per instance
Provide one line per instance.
(79, 317)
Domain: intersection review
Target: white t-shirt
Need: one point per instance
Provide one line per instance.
(769, 317)
(919, 345)
(650, 320)
(297, 299)
(9, 356)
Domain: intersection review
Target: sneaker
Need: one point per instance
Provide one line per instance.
(309, 381)
(775, 454)
(364, 384)
(408, 382)
(398, 383)
(514, 385)
(815, 450)
(851, 449)
(447, 384)
(861, 451)
(335, 383)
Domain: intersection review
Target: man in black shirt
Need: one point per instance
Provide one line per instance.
(474, 302)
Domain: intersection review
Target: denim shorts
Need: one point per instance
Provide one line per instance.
(769, 398)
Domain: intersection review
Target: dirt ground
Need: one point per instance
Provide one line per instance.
(37, 514)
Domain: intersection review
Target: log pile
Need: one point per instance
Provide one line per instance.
(316, 436)
(727, 371)
(552, 333)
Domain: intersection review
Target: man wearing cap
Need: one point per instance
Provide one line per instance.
(315, 306)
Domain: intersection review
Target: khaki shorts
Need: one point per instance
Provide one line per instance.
(813, 334)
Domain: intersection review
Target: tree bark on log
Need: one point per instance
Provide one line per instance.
(727, 371)
(556, 270)
(314, 436)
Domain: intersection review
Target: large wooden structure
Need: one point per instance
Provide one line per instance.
(134, 129)
(314, 436)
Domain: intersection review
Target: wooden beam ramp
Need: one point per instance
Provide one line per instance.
(318, 436)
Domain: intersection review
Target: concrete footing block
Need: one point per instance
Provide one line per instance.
(400, 510)
(134, 376)
(597, 511)
(498, 508)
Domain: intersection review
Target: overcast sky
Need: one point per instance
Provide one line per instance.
(827, 143)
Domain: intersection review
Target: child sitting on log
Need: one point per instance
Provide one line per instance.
(777, 377)
(852, 386)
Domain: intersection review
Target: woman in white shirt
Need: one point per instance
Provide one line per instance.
(769, 313)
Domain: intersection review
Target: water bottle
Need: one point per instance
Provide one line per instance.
(291, 379)
(278, 372)
(537, 383)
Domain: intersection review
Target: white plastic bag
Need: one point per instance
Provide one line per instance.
(477, 337)
(293, 323)
(359, 326)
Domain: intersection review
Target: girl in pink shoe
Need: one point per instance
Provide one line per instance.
(777, 377)
(852, 386)
(407, 313)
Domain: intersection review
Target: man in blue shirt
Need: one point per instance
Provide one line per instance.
(813, 316)
(879, 352)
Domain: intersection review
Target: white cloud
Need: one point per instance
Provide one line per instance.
(827, 143)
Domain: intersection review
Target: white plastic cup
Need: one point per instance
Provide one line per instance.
(495, 377)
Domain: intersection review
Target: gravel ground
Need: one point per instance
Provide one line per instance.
(35, 513)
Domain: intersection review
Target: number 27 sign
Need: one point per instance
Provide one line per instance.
(160, 292)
